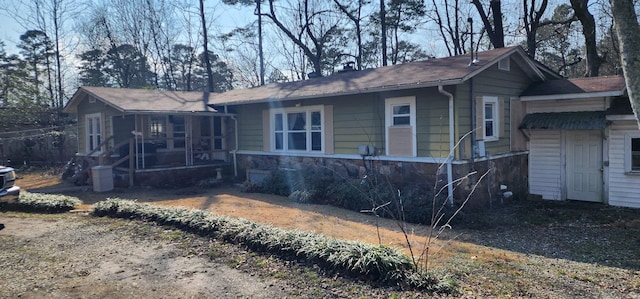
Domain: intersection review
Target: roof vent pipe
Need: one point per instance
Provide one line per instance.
(472, 60)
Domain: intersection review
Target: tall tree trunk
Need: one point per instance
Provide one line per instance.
(56, 28)
(589, 31)
(494, 29)
(383, 23)
(206, 49)
(261, 54)
(628, 32)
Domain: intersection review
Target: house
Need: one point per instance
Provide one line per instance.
(407, 121)
(584, 141)
(139, 131)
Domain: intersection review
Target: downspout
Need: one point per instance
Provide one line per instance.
(235, 150)
(451, 145)
(473, 121)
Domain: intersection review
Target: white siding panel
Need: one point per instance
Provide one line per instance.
(624, 189)
(597, 104)
(545, 164)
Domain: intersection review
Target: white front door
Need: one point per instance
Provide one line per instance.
(584, 165)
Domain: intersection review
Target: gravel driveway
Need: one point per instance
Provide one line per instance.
(72, 256)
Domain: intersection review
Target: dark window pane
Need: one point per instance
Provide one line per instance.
(278, 122)
(217, 126)
(488, 128)
(296, 121)
(635, 154)
(316, 141)
(404, 109)
(217, 143)
(401, 120)
(488, 111)
(297, 141)
(316, 121)
(278, 141)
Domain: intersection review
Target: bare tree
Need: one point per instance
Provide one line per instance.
(355, 15)
(494, 27)
(47, 16)
(312, 30)
(452, 25)
(628, 32)
(207, 59)
(532, 16)
(588, 22)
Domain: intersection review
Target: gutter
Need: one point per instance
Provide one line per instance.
(451, 145)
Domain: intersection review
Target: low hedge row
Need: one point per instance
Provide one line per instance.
(378, 263)
(42, 202)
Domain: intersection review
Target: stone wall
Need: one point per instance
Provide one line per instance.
(510, 171)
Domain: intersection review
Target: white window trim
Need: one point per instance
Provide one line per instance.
(627, 153)
(389, 104)
(87, 119)
(307, 110)
(496, 118)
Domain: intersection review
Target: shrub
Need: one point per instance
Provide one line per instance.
(41, 202)
(279, 182)
(303, 196)
(379, 263)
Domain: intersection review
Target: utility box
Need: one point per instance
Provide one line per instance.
(102, 177)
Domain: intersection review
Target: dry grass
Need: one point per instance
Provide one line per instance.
(531, 248)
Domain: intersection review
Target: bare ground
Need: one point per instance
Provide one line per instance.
(522, 249)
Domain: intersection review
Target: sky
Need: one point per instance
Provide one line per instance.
(223, 18)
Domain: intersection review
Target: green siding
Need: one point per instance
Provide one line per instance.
(504, 84)
(250, 127)
(84, 108)
(357, 120)
(492, 82)
(360, 119)
(432, 123)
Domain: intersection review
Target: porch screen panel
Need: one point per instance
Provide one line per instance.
(179, 131)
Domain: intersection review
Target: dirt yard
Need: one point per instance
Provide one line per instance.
(530, 249)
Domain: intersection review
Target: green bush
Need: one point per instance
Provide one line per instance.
(378, 263)
(41, 202)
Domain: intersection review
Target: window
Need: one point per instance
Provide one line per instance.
(632, 153)
(297, 129)
(93, 131)
(158, 130)
(400, 123)
(490, 118)
(401, 114)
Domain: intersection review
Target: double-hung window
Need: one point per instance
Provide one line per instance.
(297, 129)
(632, 153)
(93, 127)
(490, 118)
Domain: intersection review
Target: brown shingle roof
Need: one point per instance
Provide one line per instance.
(577, 86)
(449, 70)
(145, 100)
(433, 72)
